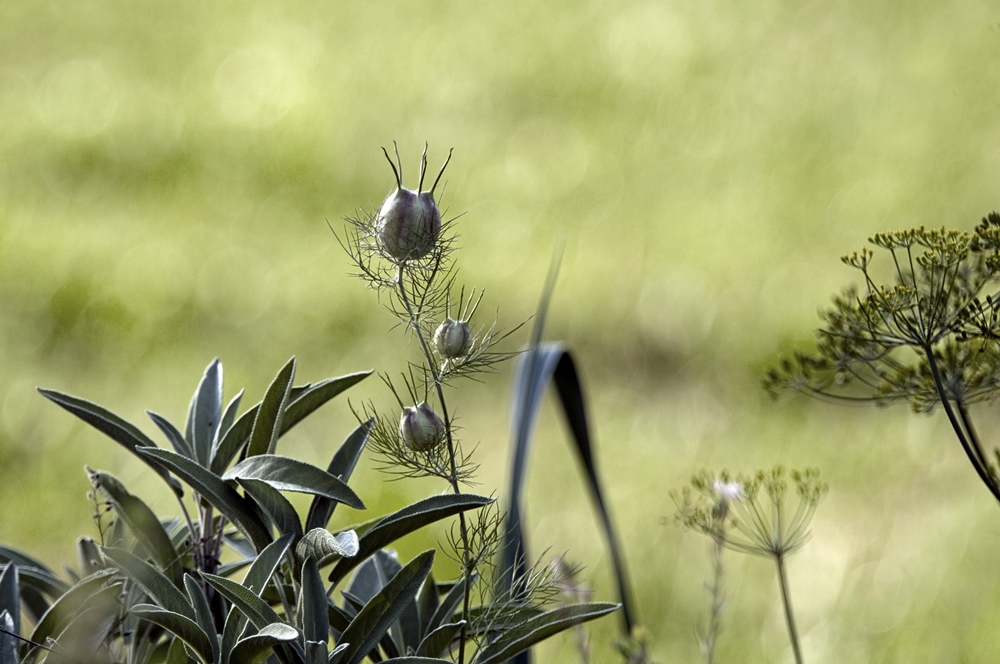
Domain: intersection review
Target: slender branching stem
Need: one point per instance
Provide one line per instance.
(715, 590)
(191, 531)
(957, 426)
(453, 479)
(786, 599)
(970, 430)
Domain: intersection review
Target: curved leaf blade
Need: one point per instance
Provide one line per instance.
(252, 606)
(112, 426)
(142, 521)
(213, 489)
(267, 424)
(543, 365)
(278, 509)
(374, 620)
(257, 648)
(439, 641)
(315, 619)
(10, 596)
(174, 435)
(181, 626)
(205, 412)
(538, 628)
(203, 612)
(341, 467)
(302, 405)
(405, 521)
(288, 474)
(151, 580)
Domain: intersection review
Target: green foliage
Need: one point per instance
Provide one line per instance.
(162, 590)
(930, 336)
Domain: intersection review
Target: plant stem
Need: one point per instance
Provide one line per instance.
(786, 599)
(715, 612)
(956, 425)
(453, 479)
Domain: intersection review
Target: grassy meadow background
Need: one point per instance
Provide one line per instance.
(167, 171)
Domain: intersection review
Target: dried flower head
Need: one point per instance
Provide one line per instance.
(750, 514)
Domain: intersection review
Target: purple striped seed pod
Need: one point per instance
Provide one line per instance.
(453, 339)
(408, 224)
(420, 428)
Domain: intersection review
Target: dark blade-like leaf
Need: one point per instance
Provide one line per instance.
(120, 431)
(181, 626)
(302, 405)
(288, 474)
(405, 521)
(205, 412)
(439, 641)
(212, 488)
(415, 660)
(341, 466)
(252, 606)
(542, 365)
(151, 580)
(265, 564)
(382, 610)
(315, 621)
(141, 520)
(8, 641)
(228, 417)
(517, 639)
(257, 648)
(203, 612)
(61, 612)
(10, 595)
(267, 425)
(281, 512)
(448, 606)
(89, 556)
(233, 441)
(175, 437)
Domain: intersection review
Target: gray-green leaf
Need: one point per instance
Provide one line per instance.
(382, 610)
(182, 626)
(267, 424)
(519, 638)
(320, 544)
(211, 487)
(114, 427)
(405, 521)
(288, 474)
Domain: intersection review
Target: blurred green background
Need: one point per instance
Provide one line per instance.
(167, 171)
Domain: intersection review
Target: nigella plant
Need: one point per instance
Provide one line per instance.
(928, 335)
(404, 252)
(155, 589)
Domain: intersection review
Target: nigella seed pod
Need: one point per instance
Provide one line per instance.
(420, 428)
(453, 339)
(408, 224)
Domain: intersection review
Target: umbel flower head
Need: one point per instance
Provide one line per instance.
(929, 336)
(409, 223)
(751, 514)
